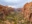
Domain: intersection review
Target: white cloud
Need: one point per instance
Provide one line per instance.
(12, 6)
(12, 1)
(15, 3)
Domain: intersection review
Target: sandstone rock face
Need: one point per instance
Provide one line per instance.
(28, 11)
(1, 11)
(4, 11)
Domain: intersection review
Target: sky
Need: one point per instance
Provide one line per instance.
(14, 3)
